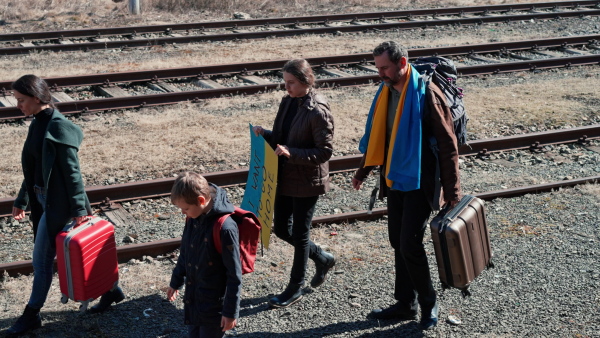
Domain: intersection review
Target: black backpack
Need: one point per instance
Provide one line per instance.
(443, 73)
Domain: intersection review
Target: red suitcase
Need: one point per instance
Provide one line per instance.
(87, 261)
(461, 243)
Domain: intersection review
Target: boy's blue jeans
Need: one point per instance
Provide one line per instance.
(43, 262)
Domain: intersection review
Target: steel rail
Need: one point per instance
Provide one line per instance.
(225, 69)
(292, 32)
(134, 30)
(162, 187)
(141, 101)
(127, 252)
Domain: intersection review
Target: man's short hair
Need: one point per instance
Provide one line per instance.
(395, 51)
(188, 186)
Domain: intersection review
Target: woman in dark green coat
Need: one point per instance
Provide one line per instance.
(52, 188)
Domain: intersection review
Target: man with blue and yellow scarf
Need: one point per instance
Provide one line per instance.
(396, 140)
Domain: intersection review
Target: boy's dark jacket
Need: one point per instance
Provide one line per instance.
(212, 281)
(65, 191)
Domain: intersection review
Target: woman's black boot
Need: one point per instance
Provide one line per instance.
(113, 296)
(30, 320)
(322, 265)
(292, 294)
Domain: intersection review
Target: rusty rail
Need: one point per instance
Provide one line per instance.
(111, 44)
(162, 187)
(167, 28)
(127, 252)
(334, 60)
(141, 101)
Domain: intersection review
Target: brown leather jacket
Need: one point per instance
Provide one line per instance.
(440, 125)
(306, 172)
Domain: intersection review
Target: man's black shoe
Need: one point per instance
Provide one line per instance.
(113, 296)
(396, 311)
(322, 269)
(292, 294)
(30, 320)
(429, 317)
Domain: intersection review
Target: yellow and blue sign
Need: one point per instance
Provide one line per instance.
(261, 185)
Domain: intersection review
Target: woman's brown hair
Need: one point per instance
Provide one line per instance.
(301, 70)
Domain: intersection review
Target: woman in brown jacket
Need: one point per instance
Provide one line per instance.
(302, 138)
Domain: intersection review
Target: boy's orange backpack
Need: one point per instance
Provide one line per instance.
(249, 230)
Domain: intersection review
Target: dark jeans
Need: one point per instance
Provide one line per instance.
(291, 222)
(408, 213)
(195, 331)
(43, 261)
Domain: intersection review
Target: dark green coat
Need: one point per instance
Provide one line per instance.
(65, 192)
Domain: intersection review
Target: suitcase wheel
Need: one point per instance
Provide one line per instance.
(84, 305)
(465, 293)
(490, 264)
(64, 299)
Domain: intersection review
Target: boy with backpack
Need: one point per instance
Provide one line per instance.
(213, 276)
(406, 114)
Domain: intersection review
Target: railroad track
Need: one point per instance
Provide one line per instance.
(147, 36)
(131, 90)
(161, 247)
(482, 148)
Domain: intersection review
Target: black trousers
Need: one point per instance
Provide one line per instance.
(408, 213)
(291, 222)
(196, 331)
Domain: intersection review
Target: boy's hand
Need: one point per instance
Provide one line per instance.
(172, 294)
(18, 214)
(228, 323)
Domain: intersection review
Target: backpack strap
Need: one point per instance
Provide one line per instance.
(438, 182)
(374, 195)
(217, 231)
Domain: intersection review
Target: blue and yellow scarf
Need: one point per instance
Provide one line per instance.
(403, 164)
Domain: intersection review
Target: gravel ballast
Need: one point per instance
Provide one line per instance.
(157, 219)
(544, 284)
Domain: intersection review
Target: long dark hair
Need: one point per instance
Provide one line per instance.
(34, 86)
(301, 70)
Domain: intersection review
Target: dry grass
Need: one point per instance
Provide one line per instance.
(158, 142)
(213, 135)
(591, 190)
(54, 10)
(165, 140)
(550, 104)
(192, 55)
